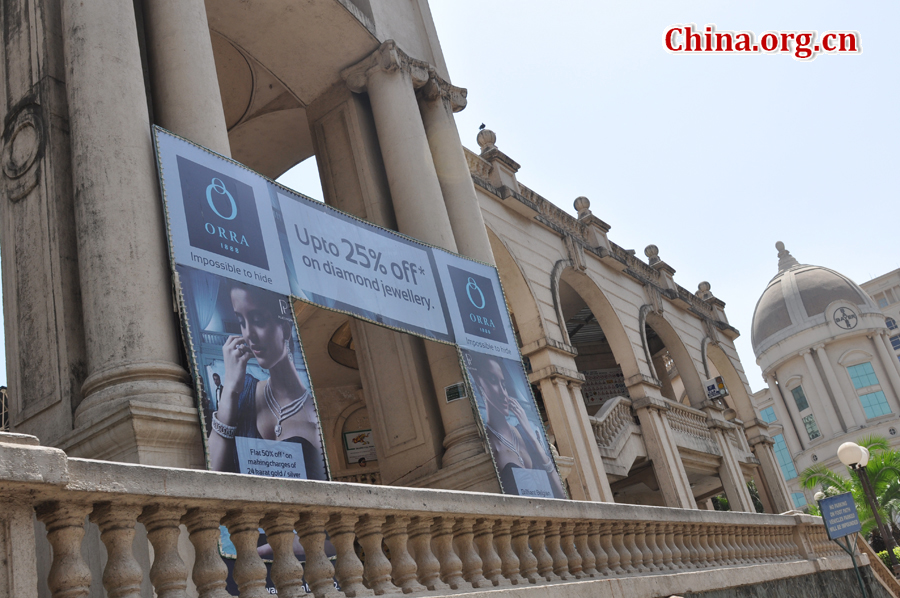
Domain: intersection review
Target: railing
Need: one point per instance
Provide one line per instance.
(879, 569)
(438, 541)
(612, 419)
(688, 421)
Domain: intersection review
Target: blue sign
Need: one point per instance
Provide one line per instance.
(839, 513)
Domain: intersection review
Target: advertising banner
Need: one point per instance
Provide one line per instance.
(243, 247)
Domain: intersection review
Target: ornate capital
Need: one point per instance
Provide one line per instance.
(388, 58)
(436, 88)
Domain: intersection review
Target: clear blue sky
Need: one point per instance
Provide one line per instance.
(712, 158)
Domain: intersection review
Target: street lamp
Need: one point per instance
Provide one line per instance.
(856, 458)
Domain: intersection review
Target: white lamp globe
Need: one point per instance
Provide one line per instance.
(852, 455)
(819, 495)
(866, 457)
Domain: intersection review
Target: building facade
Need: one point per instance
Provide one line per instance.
(832, 374)
(617, 351)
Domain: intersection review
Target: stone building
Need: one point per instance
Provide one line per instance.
(96, 365)
(885, 291)
(832, 374)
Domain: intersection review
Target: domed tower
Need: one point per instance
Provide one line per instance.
(822, 345)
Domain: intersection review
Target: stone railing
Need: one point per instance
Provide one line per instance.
(613, 418)
(439, 542)
(689, 422)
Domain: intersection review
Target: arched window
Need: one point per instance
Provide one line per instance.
(891, 323)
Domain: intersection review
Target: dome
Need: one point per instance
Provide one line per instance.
(796, 298)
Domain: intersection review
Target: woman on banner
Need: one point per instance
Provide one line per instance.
(515, 446)
(279, 409)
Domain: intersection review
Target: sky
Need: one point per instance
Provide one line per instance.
(713, 158)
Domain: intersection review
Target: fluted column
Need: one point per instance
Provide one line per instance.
(851, 410)
(185, 88)
(132, 346)
(390, 78)
(793, 415)
(826, 416)
(887, 358)
(438, 100)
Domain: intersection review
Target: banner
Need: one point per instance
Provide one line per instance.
(243, 247)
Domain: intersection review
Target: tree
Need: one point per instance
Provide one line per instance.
(884, 473)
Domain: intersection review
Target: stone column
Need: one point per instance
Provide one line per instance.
(851, 411)
(775, 486)
(826, 416)
(186, 98)
(730, 472)
(438, 100)
(132, 344)
(663, 452)
(561, 389)
(887, 358)
(390, 78)
(890, 350)
(794, 415)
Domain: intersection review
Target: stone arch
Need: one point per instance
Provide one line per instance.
(738, 398)
(687, 369)
(518, 290)
(606, 315)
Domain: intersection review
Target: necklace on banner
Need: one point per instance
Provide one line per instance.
(514, 447)
(282, 413)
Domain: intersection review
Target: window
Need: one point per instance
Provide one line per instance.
(812, 429)
(784, 458)
(863, 375)
(800, 399)
(891, 323)
(895, 342)
(799, 500)
(768, 415)
(882, 302)
(874, 404)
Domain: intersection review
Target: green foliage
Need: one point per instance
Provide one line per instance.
(883, 555)
(754, 496)
(884, 473)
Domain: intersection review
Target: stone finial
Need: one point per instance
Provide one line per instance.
(785, 259)
(486, 139)
(652, 252)
(583, 207)
(703, 290)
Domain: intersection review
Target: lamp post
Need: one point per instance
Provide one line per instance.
(856, 458)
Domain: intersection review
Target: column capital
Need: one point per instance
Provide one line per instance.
(761, 439)
(556, 372)
(819, 348)
(876, 333)
(437, 88)
(388, 58)
(805, 352)
(650, 403)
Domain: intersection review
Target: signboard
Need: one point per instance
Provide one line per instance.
(360, 447)
(243, 248)
(715, 388)
(840, 516)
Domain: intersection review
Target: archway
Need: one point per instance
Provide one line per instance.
(665, 349)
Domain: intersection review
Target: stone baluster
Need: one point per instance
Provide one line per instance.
(656, 554)
(620, 541)
(776, 536)
(744, 542)
(122, 575)
(249, 569)
(692, 541)
(209, 572)
(599, 546)
(377, 568)
(643, 558)
(348, 569)
(69, 576)
(728, 545)
(286, 572)
(787, 538)
(673, 541)
(755, 538)
(536, 536)
(553, 543)
(714, 539)
(664, 541)
(490, 561)
(442, 543)
(310, 528)
(611, 542)
(688, 552)
(403, 567)
(703, 549)
(428, 568)
(681, 557)
(574, 562)
(528, 563)
(631, 543)
(588, 557)
(463, 542)
(168, 573)
(768, 549)
(509, 562)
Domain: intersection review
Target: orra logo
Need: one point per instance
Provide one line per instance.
(221, 214)
(478, 306)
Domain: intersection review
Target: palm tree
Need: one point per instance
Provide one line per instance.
(884, 473)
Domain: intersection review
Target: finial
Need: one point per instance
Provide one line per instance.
(703, 290)
(486, 139)
(785, 259)
(652, 252)
(583, 207)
